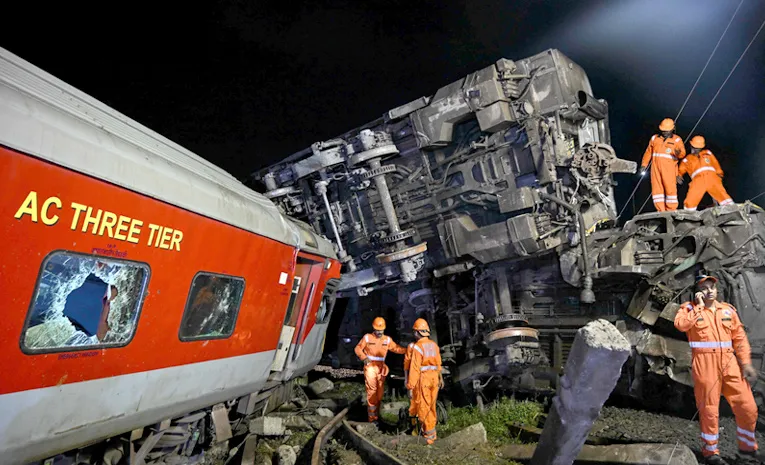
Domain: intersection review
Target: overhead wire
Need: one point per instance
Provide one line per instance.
(708, 61)
(718, 91)
(682, 107)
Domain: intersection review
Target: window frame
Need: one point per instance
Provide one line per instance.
(51, 350)
(188, 299)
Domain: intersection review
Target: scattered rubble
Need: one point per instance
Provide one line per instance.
(267, 426)
(286, 455)
(321, 386)
(627, 425)
(338, 373)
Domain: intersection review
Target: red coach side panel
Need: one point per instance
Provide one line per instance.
(47, 208)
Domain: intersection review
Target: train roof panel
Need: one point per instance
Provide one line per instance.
(45, 117)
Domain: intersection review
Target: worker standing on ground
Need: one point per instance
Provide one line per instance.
(372, 349)
(717, 340)
(412, 403)
(706, 175)
(663, 151)
(425, 379)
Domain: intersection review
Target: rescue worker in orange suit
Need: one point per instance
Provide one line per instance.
(717, 340)
(372, 349)
(412, 403)
(425, 379)
(706, 175)
(663, 152)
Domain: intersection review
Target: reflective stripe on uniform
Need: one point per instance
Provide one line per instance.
(710, 437)
(376, 359)
(746, 441)
(418, 350)
(428, 368)
(741, 430)
(664, 155)
(712, 345)
(702, 169)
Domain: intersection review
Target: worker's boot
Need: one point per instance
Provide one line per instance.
(715, 460)
(753, 456)
(414, 430)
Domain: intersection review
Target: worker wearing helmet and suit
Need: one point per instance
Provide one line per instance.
(412, 402)
(372, 349)
(706, 175)
(425, 379)
(722, 363)
(663, 151)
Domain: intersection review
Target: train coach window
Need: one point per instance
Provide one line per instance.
(212, 307)
(82, 302)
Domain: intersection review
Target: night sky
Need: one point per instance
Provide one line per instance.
(246, 83)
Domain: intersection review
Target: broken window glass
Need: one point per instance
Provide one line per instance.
(212, 307)
(84, 301)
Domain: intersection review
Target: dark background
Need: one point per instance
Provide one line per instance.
(246, 83)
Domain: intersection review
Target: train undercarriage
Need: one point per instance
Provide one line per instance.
(488, 208)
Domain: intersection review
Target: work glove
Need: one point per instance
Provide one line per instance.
(750, 374)
(366, 361)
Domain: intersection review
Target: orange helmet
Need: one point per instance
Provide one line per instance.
(421, 325)
(698, 142)
(667, 124)
(378, 324)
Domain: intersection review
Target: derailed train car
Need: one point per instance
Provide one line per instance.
(151, 302)
(489, 209)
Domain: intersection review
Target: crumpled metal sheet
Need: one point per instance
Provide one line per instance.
(665, 356)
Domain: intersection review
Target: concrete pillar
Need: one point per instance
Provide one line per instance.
(592, 370)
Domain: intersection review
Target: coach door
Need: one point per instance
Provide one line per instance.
(307, 316)
(303, 287)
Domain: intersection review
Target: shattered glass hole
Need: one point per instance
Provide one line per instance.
(83, 301)
(212, 307)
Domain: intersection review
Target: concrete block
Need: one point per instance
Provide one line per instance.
(267, 426)
(325, 412)
(321, 386)
(466, 438)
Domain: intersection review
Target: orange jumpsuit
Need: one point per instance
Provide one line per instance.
(716, 339)
(706, 176)
(407, 364)
(423, 381)
(375, 349)
(664, 153)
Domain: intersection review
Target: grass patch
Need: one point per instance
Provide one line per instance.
(389, 417)
(496, 418)
(300, 438)
(344, 390)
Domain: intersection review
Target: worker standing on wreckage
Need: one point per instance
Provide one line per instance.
(706, 175)
(425, 379)
(721, 355)
(663, 151)
(372, 349)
